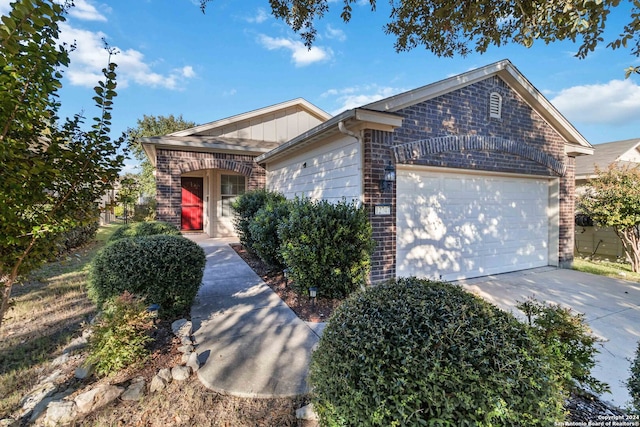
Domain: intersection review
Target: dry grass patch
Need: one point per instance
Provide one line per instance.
(48, 309)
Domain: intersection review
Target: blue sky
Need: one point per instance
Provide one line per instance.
(236, 57)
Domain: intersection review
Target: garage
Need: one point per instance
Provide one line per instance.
(453, 225)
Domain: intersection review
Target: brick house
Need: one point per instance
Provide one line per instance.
(469, 176)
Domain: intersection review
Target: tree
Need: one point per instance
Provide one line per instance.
(612, 199)
(152, 126)
(448, 27)
(128, 194)
(53, 173)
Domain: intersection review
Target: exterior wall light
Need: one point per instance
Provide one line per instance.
(386, 184)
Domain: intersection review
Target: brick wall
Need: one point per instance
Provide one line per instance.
(172, 164)
(376, 157)
(456, 131)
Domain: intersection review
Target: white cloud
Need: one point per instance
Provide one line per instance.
(84, 10)
(188, 72)
(335, 33)
(615, 103)
(357, 96)
(260, 16)
(89, 57)
(4, 7)
(300, 54)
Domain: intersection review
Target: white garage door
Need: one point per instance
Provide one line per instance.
(453, 226)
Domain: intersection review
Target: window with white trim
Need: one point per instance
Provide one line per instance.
(231, 186)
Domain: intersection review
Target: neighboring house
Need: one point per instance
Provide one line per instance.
(469, 176)
(594, 240)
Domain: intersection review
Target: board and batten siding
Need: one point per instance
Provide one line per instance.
(332, 172)
(279, 126)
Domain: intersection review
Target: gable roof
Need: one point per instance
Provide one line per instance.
(255, 115)
(516, 81)
(576, 144)
(621, 152)
(254, 132)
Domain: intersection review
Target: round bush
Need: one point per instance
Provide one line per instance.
(166, 270)
(245, 208)
(139, 229)
(414, 352)
(327, 246)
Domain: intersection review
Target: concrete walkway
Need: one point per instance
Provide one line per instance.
(250, 342)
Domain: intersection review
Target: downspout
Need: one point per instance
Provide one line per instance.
(343, 129)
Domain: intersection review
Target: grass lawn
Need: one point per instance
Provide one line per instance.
(49, 308)
(607, 268)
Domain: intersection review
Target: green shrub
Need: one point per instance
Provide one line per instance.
(264, 231)
(245, 207)
(76, 237)
(150, 228)
(571, 347)
(166, 270)
(414, 352)
(120, 335)
(327, 246)
(633, 384)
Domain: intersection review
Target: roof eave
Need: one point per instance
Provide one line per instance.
(356, 118)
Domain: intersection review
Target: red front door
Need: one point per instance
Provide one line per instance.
(191, 203)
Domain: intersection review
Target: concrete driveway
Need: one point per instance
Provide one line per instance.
(611, 307)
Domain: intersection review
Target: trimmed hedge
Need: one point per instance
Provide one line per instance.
(245, 207)
(414, 352)
(139, 229)
(166, 270)
(326, 245)
(263, 229)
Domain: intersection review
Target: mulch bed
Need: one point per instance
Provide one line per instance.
(306, 309)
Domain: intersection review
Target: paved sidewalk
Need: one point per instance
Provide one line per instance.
(251, 344)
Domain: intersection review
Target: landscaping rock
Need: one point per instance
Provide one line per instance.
(31, 400)
(8, 422)
(186, 349)
(76, 344)
(193, 362)
(61, 360)
(307, 413)
(135, 391)
(182, 328)
(84, 371)
(60, 413)
(165, 374)
(97, 398)
(180, 373)
(157, 384)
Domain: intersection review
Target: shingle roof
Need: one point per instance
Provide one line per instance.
(603, 156)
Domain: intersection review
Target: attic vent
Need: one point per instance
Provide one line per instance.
(495, 105)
